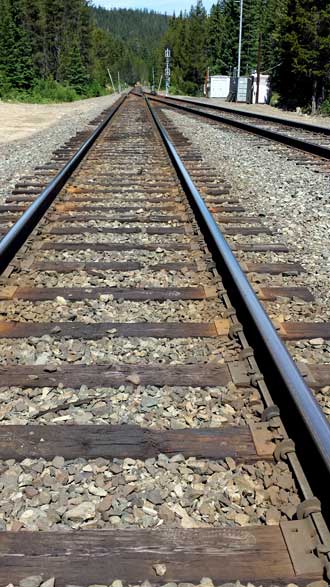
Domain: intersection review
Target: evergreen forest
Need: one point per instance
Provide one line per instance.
(62, 49)
(291, 38)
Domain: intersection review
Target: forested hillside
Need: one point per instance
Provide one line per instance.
(54, 49)
(294, 41)
(141, 30)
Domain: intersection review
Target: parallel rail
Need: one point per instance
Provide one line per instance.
(279, 137)
(299, 124)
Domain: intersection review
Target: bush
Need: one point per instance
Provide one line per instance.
(52, 91)
(274, 99)
(46, 91)
(325, 107)
(95, 89)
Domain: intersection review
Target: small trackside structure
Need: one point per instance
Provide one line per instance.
(244, 89)
(218, 86)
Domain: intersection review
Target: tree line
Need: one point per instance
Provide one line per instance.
(60, 49)
(291, 37)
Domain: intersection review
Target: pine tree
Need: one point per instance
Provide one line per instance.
(7, 41)
(16, 63)
(197, 40)
(253, 29)
(35, 22)
(75, 72)
(54, 34)
(230, 37)
(216, 32)
(304, 53)
(274, 15)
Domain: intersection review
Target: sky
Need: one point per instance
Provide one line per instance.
(163, 6)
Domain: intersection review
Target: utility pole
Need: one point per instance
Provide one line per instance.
(153, 80)
(119, 86)
(167, 70)
(240, 39)
(113, 85)
(258, 67)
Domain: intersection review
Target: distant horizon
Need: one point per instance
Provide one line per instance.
(161, 6)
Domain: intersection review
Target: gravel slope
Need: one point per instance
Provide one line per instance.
(18, 157)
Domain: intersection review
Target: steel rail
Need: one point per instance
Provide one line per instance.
(300, 144)
(21, 230)
(284, 375)
(266, 117)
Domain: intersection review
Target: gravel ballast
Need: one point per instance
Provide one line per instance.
(293, 198)
(293, 201)
(121, 493)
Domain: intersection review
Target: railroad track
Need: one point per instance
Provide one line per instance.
(312, 141)
(153, 425)
(282, 285)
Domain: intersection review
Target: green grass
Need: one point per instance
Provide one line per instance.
(45, 92)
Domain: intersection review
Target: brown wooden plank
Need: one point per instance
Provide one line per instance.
(233, 219)
(10, 208)
(274, 268)
(73, 376)
(118, 230)
(78, 246)
(29, 182)
(246, 230)
(9, 217)
(316, 376)
(260, 247)
(121, 441)
(252, 554)
(272, 293)
(99, 329)
(215, 190)
(128, 293)
(213, 200)
(305, 330)
(219, 209)
(91, 267)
